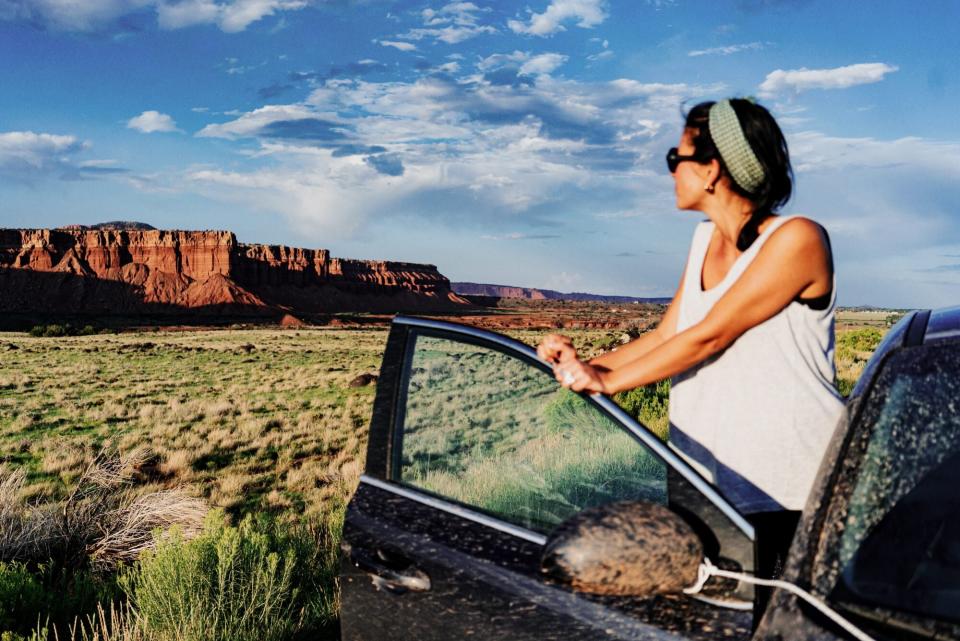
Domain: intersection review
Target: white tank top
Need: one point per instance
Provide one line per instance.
(756, 418)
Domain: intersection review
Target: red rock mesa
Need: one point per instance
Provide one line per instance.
(104, 271)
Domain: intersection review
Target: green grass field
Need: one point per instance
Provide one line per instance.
(249, 420)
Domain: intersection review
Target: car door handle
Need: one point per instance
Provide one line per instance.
(389, 570)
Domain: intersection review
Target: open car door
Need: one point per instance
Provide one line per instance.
(475, 455)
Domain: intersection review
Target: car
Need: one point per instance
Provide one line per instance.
(497, 505)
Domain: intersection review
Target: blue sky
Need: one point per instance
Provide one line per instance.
(515, 143)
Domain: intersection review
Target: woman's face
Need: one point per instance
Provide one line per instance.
(690, 176)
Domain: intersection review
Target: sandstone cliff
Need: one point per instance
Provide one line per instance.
(84, 270)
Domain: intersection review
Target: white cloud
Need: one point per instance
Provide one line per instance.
(230, 16)
(452, 23)
(498, 60)
(603, 55)
(811, 151)
(234, 68)
(798, 80)
(27, 156)
(249, 124)
(586, 13)
(88, 15)
(545, 63)
(402, 46)
(70, 15)
(524, 62)
(516, 235)
(152, 122)
(29, 149)
(565, 281)
(727, 50)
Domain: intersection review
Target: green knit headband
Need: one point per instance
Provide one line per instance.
(737, 155)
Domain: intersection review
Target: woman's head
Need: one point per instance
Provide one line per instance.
(760, 171)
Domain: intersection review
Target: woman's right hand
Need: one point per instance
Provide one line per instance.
(555, 348)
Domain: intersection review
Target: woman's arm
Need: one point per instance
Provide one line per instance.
(795, 257)
(636, 348)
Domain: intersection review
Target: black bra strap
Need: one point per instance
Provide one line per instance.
(820, 303)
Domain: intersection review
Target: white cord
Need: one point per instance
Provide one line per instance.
(708, 569)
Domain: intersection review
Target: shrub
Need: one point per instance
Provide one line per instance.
(259, 580)
(853, 349)
(845, 386)
(649, 405)
(54, 330)
(22, 597)
(40, 634)
(861, 340)
(46, 594)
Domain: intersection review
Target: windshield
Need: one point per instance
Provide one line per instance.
(900, 546)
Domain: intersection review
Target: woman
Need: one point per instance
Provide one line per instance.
(748, 337)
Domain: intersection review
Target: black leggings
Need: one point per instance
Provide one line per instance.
(774, 532)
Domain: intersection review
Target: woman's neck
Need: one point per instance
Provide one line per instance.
(729, 213)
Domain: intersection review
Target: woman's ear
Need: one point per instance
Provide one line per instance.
(713, 176)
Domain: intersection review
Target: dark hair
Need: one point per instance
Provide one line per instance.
(768, 144)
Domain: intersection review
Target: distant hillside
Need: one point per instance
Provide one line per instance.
(530, 293)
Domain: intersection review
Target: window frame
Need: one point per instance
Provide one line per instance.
(414, 327)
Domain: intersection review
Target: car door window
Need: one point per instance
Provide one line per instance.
(900, 545)
(495, 432)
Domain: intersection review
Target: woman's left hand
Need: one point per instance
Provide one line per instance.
(578, 376)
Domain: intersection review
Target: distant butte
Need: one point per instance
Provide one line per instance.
(113, 224)
(130, 268)
(486, 290)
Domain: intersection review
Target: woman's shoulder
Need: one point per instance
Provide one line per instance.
(798, 241)
(797, 230)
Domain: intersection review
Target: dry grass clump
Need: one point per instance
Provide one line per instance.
(127, 529)
(115, 623)
(177, 463)
(68, 462)
(102, 523)
(18, 532)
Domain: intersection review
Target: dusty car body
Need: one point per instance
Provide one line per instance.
(480, 468)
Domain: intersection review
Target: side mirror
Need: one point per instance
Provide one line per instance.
(631, 548)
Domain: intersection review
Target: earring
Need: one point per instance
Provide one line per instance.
(708, 188)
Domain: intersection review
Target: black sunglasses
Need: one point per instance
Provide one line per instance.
(674, 159)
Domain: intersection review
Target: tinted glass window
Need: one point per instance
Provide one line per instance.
(900, 547)
(494, 432)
